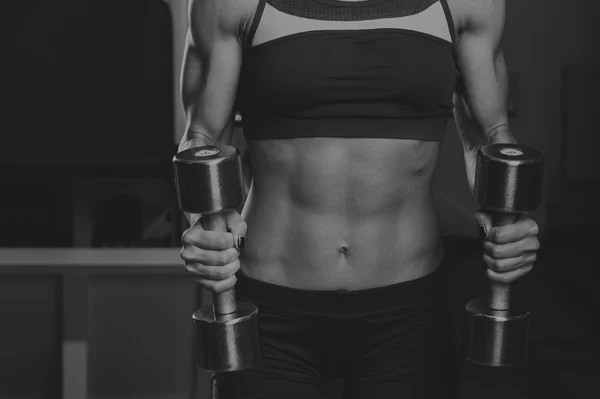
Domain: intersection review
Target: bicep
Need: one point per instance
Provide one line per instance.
(483, 76)
(209, 79)
(483, 85)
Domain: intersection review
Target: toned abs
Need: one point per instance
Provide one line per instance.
(340, 214)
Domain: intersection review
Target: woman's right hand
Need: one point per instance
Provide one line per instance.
(211, 257)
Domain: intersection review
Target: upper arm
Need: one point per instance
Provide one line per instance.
(210, 70)
(484, 85)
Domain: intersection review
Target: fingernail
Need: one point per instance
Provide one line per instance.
(241, 242)
(482, 232)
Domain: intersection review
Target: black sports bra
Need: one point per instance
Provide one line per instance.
(332, 68)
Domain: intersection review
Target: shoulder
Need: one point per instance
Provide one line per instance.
(226, 15)
(475, 14)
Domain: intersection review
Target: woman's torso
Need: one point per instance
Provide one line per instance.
(342, 213)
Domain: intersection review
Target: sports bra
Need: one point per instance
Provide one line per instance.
(333, 68)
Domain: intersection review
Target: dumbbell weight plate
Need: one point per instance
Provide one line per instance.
(508, 178)
(209, 179)
(228, 342)
(497, 338)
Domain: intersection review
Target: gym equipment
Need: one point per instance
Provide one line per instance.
(508, 182)
(209, 182)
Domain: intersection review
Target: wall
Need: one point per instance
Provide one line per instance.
(88, 85)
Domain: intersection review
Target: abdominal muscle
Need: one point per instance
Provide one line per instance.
(340, 213)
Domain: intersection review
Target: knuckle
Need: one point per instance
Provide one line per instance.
(523, 261)
(192, 254)
(191, 268)
(227, 271)
(230, 269)
(224, 273)
(218, 288)
(495, 266)
(497, 236)
(491, 263)
(529, 268)
(534, 230)
(233, 254)
(221, 258)
(496, 251)
(503, 277)
(223, 242)
(229, 283)
(185, 254)
(493, 276)
(185, 237)
(235, 265)
(208, 284)
(215, 274)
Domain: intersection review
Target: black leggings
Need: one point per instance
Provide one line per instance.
(390, 342)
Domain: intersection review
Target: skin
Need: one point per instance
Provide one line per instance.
(369, 221)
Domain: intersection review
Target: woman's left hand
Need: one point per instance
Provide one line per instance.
(509, 251)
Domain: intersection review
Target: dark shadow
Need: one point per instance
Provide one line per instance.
(117, 222)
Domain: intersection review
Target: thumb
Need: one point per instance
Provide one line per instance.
(484, 221)
(236, 225)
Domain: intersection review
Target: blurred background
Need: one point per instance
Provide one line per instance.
(93, 298)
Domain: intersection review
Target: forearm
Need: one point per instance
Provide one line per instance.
(474, 136)
(500, 133)
(474, 133)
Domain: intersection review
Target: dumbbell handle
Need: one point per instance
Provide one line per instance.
(223, 302)
(500, 292)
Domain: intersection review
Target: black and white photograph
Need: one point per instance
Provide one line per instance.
(298, 199)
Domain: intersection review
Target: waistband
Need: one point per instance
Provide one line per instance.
(427, 290)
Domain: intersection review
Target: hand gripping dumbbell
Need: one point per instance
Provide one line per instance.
(508, 182)
(209, 182)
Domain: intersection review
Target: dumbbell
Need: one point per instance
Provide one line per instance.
(209, 182)
(508, 182)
